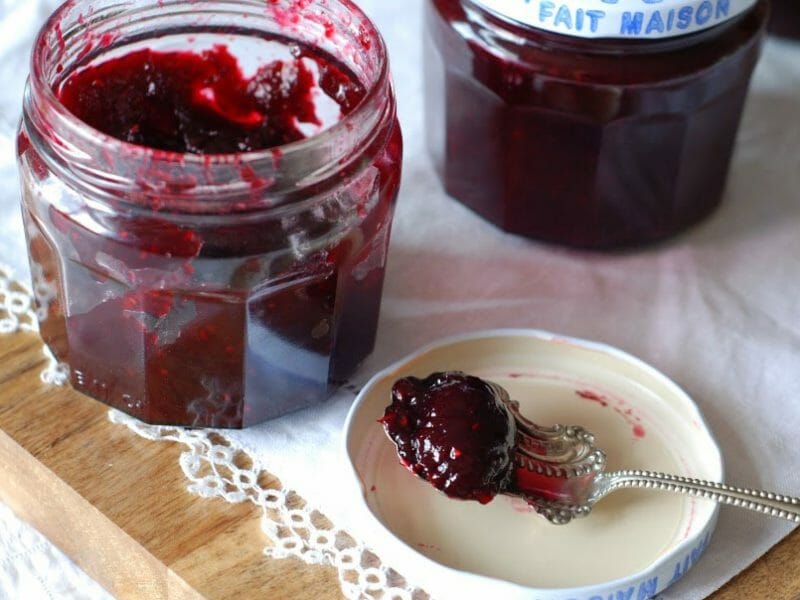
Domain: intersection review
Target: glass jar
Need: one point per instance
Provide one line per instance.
(596, 143)
(215, 290)
(785, 19)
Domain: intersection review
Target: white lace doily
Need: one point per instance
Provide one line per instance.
(295, 528)
(216, 468)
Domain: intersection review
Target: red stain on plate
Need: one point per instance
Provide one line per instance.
(626, 413)
(429, 547)
(589, 395)
(521, 506)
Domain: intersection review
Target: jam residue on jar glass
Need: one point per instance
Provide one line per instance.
(454, 431)
(208, 197)
(594, 143)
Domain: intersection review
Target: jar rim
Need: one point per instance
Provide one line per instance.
(376, 86)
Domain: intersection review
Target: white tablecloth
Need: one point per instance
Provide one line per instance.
(31, 568)
(717, 309)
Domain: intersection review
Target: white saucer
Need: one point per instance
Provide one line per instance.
(634, 541)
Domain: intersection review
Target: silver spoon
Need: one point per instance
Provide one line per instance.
(561, 474)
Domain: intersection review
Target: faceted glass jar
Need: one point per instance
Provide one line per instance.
(785, 19)
(215, 290)
(593, 143)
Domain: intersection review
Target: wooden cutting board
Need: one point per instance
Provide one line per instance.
(117, 504)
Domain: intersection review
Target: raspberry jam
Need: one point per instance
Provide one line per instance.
(200, 102)
(453, 431)
(456, 432)
(208, 208)
(595, 143)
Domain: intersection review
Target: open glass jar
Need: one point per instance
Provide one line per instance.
(200, 289)
(598, 141)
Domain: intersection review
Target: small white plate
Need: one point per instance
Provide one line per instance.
(635, 543)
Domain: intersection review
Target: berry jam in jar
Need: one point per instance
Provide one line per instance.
(785, 19)
(208, 190)
(588, 123)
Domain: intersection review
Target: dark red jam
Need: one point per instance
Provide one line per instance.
(589, 143)
(455, 432)
(213, 320)
(785, 18)
(202, 103)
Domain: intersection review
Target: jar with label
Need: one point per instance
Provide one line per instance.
(785, 18)
(590, 123)
(208, 196)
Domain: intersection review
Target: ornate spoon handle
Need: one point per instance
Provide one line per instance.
(774, 505)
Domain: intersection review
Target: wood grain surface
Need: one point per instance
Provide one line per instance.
(117, 504)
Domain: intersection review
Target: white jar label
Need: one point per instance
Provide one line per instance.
(642, 19)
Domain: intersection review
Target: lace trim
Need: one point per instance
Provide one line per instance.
(19, 312)
(216, 468)
(16, 305)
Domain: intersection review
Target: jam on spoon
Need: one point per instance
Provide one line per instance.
(468, 438)
(455, 432)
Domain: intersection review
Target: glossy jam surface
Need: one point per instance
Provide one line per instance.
(785, 18)
(453, 431)
(202, 103)
(210, 320)
(588, 143)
